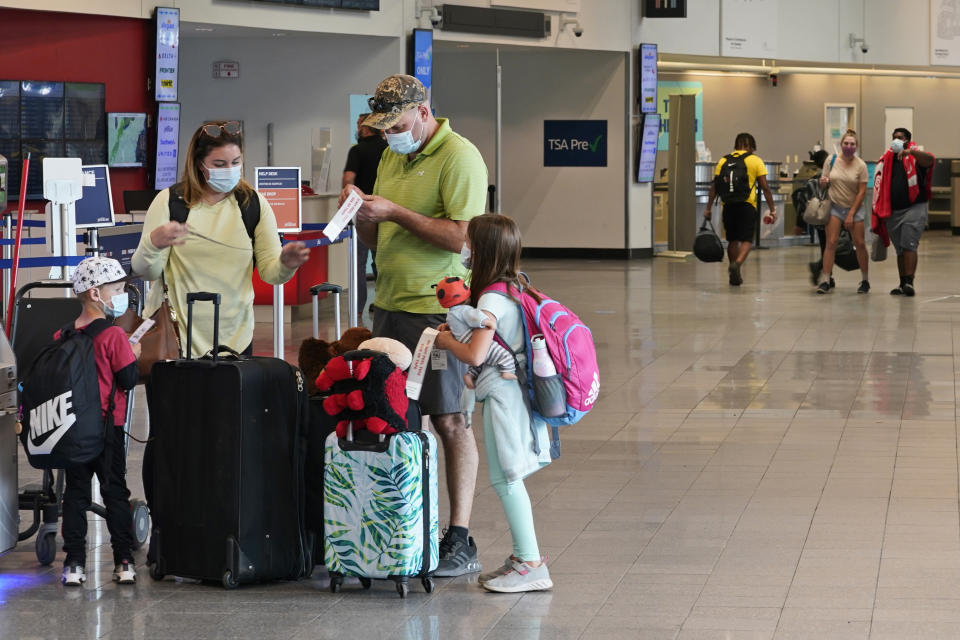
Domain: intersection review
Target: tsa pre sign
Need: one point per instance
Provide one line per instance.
(574, 143)
(280, 186)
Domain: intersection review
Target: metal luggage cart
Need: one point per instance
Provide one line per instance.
(35, 320)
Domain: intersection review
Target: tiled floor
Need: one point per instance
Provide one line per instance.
(762, 463)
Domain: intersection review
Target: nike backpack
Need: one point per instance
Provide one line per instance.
(62, 420)
(732, 184)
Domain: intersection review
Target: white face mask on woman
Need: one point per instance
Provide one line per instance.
(224, 179)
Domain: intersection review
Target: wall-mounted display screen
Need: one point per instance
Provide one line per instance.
(168, 137)
(50, 119)
(167, 48)
(126, 139)
(647, 151)
(422, 49)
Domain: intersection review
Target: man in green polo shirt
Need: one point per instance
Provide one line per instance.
(430, 183)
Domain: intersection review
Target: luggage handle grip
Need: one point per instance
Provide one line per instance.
(374, 447)
(325, 287)
(203, 296)
(360, 354)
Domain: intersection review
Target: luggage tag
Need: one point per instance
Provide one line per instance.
(421, 360)
(343, 216)
(142, 329)
(438, 360)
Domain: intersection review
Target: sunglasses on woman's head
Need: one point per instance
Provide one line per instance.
(231, 128)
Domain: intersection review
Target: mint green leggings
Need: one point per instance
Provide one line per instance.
(515, 500)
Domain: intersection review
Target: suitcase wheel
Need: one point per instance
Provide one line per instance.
(336, 581)
(46, 548)
(403, 588)
(155, 572)
(366, 583)
(427, 584)
(141, 523)
(229, 582)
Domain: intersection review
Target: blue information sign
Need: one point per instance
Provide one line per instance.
(423, 57)
(574, 143)
(280, 186)
(647, 158)
(95, 208)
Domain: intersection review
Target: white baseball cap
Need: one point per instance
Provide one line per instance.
(97, 271)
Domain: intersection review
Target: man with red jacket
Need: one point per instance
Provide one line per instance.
(901, 192)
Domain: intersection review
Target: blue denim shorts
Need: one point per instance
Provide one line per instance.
(843, 212)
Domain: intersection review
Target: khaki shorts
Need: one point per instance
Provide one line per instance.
(441, 389)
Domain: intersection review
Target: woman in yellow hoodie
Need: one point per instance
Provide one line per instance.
(212, 249)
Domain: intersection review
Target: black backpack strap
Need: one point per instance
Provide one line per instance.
(249, 211)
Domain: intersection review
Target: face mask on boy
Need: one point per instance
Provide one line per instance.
(118, 305)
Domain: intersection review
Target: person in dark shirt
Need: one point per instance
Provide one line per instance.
(361, 170)
(902, 200)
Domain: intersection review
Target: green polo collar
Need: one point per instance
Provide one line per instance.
(442, 132)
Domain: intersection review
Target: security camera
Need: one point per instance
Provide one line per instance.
(435, 18)
(864, 47)
(574, 23)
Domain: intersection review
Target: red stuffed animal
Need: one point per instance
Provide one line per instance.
(371, 394)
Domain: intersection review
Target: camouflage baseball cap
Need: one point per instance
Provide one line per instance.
(395, 96)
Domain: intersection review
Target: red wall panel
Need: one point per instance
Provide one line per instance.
(71, 47)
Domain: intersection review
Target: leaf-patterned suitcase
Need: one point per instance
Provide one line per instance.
(380, 509)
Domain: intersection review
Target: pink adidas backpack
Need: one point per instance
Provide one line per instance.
(570, 345)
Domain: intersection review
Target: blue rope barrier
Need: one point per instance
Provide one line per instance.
(10, 242)
(54, 261)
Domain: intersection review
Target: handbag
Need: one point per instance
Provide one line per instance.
(161, 342)
(846, 255)
(878, 250)
(817, 211)
(707, 246)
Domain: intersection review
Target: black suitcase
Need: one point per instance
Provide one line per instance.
(228, 473)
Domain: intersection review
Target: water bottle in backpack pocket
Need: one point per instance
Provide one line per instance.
(548, 391)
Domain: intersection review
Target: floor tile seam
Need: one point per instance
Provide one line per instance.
(883, 538)
(654, 535)
(740, 517)
(813, 516)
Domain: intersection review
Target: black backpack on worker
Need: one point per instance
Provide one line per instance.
(62, 420)
(732, 184)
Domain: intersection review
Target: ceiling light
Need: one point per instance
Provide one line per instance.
(203, 28)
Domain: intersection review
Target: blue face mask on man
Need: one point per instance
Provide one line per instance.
(224, 179)
(403, 142)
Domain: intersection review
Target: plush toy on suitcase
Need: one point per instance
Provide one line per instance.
(380, 490)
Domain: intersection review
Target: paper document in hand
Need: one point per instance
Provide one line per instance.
(343, 216)
(142, 329)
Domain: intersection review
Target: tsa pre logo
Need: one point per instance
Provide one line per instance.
(574, 143)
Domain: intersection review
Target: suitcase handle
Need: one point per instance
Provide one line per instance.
(316, 290)
(360, 354)
(203, 296)
(325, 287)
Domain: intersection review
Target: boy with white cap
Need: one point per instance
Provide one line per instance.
(99, 285)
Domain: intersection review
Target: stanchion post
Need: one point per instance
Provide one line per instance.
(353, 280)
(93, 241)
(278, 318)
(7, 248)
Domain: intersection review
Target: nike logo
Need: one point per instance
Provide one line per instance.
(52, 419)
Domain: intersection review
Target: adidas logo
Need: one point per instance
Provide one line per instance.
(594, 390)
(50, 421)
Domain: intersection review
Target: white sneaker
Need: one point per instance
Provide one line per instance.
(506, 567)
(520, 577)
(125, 572)
(73, 575)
